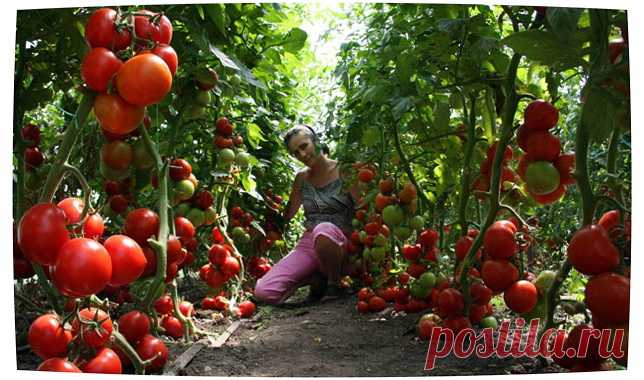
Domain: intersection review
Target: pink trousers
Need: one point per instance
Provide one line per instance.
(300, 264)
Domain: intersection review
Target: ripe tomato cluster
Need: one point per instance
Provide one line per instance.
(85, 344)
(592, 251)
(481, 183)
(142, 80)
(544, 169)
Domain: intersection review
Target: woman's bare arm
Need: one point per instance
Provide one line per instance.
(295, 199)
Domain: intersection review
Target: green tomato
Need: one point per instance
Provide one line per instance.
(489, 321)
(184, 189)
(418, 291)
(427, 279)
(242, 159)
(393, 215)
(196, 216)
(363, 236)
(377, 254)
(402, 233)
(227, 155)
(356, 223)
(182, 209)
(417, 223)
(193, 112)
(366, 253)
(210, 216)
(203, 98)
(238, 232)
(380, 240)
(141, 157)
(542, 177)
(544, 280)
(111, 174)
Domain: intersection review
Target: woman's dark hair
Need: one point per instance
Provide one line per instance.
(307, 130)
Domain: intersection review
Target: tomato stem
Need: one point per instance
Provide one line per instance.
(131, 353)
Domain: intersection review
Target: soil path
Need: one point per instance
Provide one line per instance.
(332, 339)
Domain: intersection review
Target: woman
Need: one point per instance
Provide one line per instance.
(319, 259)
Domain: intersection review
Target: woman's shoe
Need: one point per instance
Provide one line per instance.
(333, 292)
(317, 289)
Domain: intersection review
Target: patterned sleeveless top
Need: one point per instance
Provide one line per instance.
(329, 203)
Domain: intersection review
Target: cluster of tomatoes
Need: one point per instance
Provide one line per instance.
(85, 344)
(195, 205)
(607, 295)
(223, 265)
(140, 81)
(508, 177)
(205, 79)
(230, 146)
(30, 134)
(544, 169)
(172, 325)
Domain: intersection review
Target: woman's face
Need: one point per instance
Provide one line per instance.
(301, 147)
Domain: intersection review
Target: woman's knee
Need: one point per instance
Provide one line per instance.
(266, 295)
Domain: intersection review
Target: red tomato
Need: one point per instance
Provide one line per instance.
(499, 241)
(22, 268)
(608, 297)
(480, 293)
(463, 245)
(115, 115)
(128, 260)
(450, 302)
(172, 325)
(184, 228)
(73, 208)
(100, 31)
(609, 221)
(98, 68)
(362, 307)
(428, 238)
(34, 157)
(118, 203)
(141, 224)
(47, 337)
(150, 347)
(186, 308)
(491, 151)
(521, 297)
(540, 115)
(30, 133)
(217, 236)
(224, 127)
(173, 250)
(565, 165)
(215, 279)
(42, 232)
(134, 325)
(208, 303)
(83, 267)
(57, 365)
(549, 198)
(411, 252)
(247, 308)
(117, 154)
(230, 267)
(477, 312)
(376, 304)
(457, 324)
(498, 275)
(93, 227)
(171, 271)
(169, 56)
(416, 269)
(164, 305)
(159, 30)
(93, 337)
(180, 169)
(543, 146)
(591, 251)
(522, 137)
(105, 361)
(144, 80)
(425, 325)
(221, 303)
